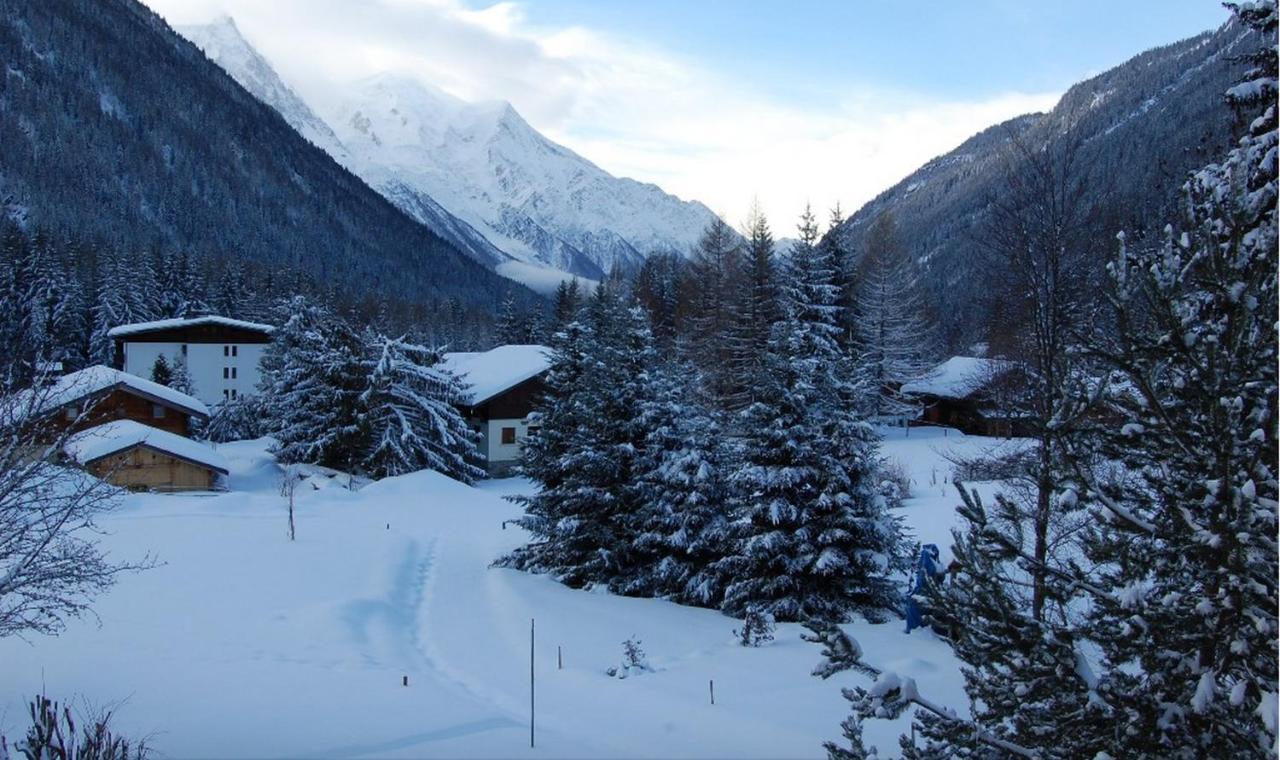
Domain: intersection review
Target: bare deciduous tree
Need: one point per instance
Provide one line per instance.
(52, 565)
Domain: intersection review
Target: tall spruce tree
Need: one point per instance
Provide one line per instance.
(682, 524)
(893, 335)
(759, 304)
(312, 379)
(1166, 644)
(584, 458)
(815, 540)
(409, 409)
(714, 286)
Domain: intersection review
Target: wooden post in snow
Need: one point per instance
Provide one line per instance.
(531, 702)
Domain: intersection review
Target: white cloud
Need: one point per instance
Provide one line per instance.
(630, 106)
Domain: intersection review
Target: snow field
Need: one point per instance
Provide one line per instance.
(245, 644)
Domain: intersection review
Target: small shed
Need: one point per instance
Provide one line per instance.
(142, 458)
(970, 394)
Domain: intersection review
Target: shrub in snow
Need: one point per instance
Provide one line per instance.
(53, 735)
(757, 628)
(634, 661)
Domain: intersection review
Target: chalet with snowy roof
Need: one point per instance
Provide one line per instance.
(505, 383)
(131, 455)
(968, 393)
(221, 355)
(96, 395)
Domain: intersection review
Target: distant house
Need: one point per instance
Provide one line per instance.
(98, 394)
(126, 429)
(140, 457)
(970, 394)
(221, 354)
(505, 383)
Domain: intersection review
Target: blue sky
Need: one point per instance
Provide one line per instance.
(971, 47)
(724, 101)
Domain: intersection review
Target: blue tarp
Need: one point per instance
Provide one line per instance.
(928, 572)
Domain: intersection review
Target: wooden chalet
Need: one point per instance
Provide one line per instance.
(969, 394)
(505, 384)
(98, 394)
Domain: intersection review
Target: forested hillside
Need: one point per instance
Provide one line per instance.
(118, 132)
(1130, 137)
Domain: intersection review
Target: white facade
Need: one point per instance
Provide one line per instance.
(491, 444)
(219, 371)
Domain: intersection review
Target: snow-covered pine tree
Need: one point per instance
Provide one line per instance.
(815, 539)
(1186, 609)
(1171, 650)
(161, 372)
(657, 288)
(232, 295)
(1028, 679)
(681, 525)
(180, 286)
(410, 409)
(584, 457)
(311, 383)
(124, 295)
(714, 286)
(759, 304)
(894, 337)
(567, 301)
(512, 327)
(181, 377)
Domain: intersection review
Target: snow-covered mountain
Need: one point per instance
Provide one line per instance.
(480, 165)
(222, 42)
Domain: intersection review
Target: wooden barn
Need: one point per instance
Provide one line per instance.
(505, 384)
(131, 455)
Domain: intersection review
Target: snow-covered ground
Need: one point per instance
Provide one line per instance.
(245, 644)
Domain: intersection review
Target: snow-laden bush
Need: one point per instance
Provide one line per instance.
(757, 628)
(634, 661)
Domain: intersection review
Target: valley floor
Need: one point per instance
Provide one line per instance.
(244, 644)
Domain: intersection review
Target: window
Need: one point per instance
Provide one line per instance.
(184, 349)
(233, 393)
(226, 373)
(226, 394)
(226, 350)
(71, 413)
(235, 350)
(533, 429)
(233, 373)
(157, 411)
(508, 435)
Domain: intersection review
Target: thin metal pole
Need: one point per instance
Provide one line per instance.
(531, 702)
(712, 684)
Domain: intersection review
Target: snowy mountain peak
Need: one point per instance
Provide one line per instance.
(474, 172)
(223, 44)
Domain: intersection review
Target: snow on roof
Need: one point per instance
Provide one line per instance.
(499, 369)
(957, 377)
(98, 378)
(119, 435)
(167, 324)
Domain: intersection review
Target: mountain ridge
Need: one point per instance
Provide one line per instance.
(1140, 125)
